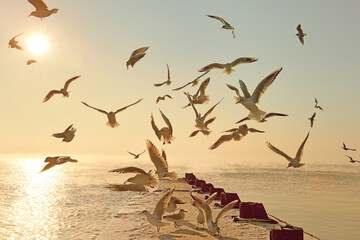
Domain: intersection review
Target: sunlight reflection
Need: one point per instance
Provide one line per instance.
(38, 44)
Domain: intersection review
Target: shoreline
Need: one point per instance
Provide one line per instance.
(129, 224)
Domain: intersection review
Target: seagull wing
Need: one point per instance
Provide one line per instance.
(168, 96)
(159, 84)
(301, 39)
(48, 166)
(301, 32)
(276, 150)
(50, 94)
(244, 89)
(211, 67)
(212, 108)
(156, 130)
(192, 104)
(244, 119)
(70, 81)
(194, 133)
(209, 121)
(211, 198)
(233, 32)
(301, 148)
(275, 114)
(167, 121)
(162, 204)
(129, 170)
(204, 206)
(139, 51)
(102, 111)
(221, 140)
(13, 39)
(122, 109)
(132, 153)
(234, 89)
(134, 59)
(38, 4)
(158, 160)
(203, 87)
(218, 18)
(243, 60)
(68, 128)
(264, 84)
(255, 130)
(168, 71)
(225, 209)
(194, 82)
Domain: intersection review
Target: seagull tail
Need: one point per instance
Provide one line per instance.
(228, 72)
(113, 125)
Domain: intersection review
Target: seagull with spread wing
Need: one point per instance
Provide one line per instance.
(30, 61)
(317, 105)
(112, 115)
(226, 25)
(193, 82)
(200, 218)
(300, 34)
(172, 205)
(352, 160)
(58, 160)
(42, 10)
(64, 91)
(168, 81)
(68, 135)
(312, 119)
(228, 66)
(160, 161)
(15, 44)
(136, 156)
(293, 162)
(200, 97)
(165, 134)
(136, 56)
(163, 98)
(346, 148)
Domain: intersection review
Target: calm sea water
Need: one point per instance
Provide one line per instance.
(71, 201)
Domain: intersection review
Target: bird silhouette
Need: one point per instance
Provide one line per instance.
(63, 91)
(42, 10)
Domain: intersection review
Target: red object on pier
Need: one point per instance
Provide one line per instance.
(218, 190)
(252, 210)
(198, 182)
(189, 176)
(226, 198)
(293, 233)
(191, 182)
(205, 187)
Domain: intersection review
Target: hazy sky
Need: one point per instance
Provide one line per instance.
(94, 39)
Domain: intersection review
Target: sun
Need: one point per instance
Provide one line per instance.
(38, 44)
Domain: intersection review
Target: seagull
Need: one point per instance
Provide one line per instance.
(53, 161)
(212, 226)
(165, 133)
(293, 162)
(172, 205)
(300, 34)
(136, 156)
(149, 179)
(168, 82)
(317, 105)
(14, 44)
(312, 118)
(163, 98)
(31, 61)
(136, 56)
(346, 148)
(62, 91)
(67, 135)
(156, 217)
(205, 132)
(178, 217)
(226, 24)
(228, 66)
(160, 162)
(250, 101)
(236, 134)
(193, 82)
(201, 217)
(200, 97)
(111, 115)
(352, 160)
(42, 10)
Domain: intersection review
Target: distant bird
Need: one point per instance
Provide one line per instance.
(178, 217)
(58, 160)
(31, 61)
(168, 81)
(205, 132)
(136, 156)
(172, 205)
(352, 160)
(346, 148)
(312, 118)
(111, 115)
(63, 91)
(165, 134)
(14, 44)
(300, 34)
(226, 24)
(317, 105)
(228, 66)
(293, 162)
(201, 216)
(67, 135)
(213, 226)
(163, 98)
(149, 179)
(42, 10)
(250, 101)
(200, 97)
(236, 134)
(156, 217)
(193, 82)
(160, 162)
(136, 56)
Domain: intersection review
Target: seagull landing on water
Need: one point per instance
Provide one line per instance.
(58, 160)
(14, 44)
(67, 135)
(228, 66)
(317, 105)
(42, 10)
(136, 156)
(112, 115)
(293, 162)
(312, 119)
(226, 25)
(346, 148)
(193, 82)
(352, 160)
(200, 97)
(63, 91)
(166, 133)
(300, 34)
(168, 81)
(136, 56)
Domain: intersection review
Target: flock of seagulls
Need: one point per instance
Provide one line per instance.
(351, 160)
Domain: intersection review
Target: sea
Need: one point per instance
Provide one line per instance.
(72, 201)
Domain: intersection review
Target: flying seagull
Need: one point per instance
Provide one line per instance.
(14, 44)
(228, 66)
(168, 81)
(346, 148)
(300, 34)
(293, 162)
(352, 160)
(136, 156)
(201, 217)
(193, 82)
(312, 118)
(163, 98)
(178, 217)
(67, 135)
(200, 97)
(58, 160)
(226, 25)
(165, 133)
(317, 105)
(62, 91)
(42, 10)
(31, 61)
(172, 205)
(111, 115)
(136, 56)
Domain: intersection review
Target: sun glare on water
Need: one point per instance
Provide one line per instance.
(38, 44)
